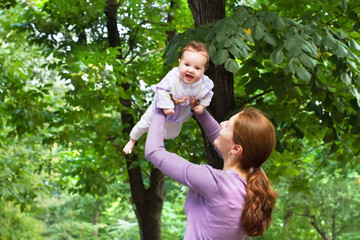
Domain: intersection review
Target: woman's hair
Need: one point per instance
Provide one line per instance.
(198, 47)
(256, 135)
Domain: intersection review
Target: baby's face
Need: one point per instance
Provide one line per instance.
(192, 66)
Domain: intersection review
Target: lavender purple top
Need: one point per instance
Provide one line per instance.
(215, 199)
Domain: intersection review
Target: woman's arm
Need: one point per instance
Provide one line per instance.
(197, 177)
(209, 124)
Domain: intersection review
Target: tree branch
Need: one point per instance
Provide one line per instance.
(313, 222)
(318, 167)
(255, 97)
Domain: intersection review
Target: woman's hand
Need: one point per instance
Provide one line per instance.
(195, 106)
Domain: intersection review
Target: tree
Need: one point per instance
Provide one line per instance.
(205, 13)
(308, 71)
(90, 97)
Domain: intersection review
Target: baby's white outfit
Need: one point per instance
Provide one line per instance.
(172, 84)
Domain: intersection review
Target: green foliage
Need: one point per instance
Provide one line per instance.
(18, 161)
(330, 206)
(60, 87)
(173, 215)
(15, 225)
(67, 217)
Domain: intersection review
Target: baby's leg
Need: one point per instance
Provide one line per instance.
(141, 127)
(171, 129)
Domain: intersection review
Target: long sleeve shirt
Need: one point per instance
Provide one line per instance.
(172, 84)
(215, 199)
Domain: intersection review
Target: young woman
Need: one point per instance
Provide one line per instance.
(229, 203)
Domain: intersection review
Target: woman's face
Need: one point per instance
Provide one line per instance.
(224, 142)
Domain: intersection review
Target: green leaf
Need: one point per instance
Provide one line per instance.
(317, 39)
(240, 43)
(269, 39)
(211, 49)
(235, 51)
(231, 65)
(340, 51)
(249, 23)
(310, 47)
(356, 94)
(353, 44)
(279, 23)
(303, 74)
(220, 57)
(258, 32)
(269, 16)
(294, 52)
(345, 78)
(329, 42)
(244, 53)
(343, 4)
(291, 67)
(224, 43)
(342, 35)
(293, 42)
(210, 35)
(307, 61)
(351, 63)
(220, 37)
(277, 56)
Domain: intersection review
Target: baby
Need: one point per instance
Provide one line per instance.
(176, 87)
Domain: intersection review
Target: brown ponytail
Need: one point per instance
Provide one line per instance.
(259, 203)
(255, 133)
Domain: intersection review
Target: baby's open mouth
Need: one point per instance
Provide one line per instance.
(188, 76)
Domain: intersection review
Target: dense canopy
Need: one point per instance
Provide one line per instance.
(75, 77)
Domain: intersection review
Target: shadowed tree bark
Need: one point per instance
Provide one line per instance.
(204, 12)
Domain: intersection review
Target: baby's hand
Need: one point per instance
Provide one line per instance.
(168, 111)
(199, 109)
(180, 100)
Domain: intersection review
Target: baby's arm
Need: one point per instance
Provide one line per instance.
(164, 101)
(169, 111)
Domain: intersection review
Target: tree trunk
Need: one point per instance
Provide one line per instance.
(96, 219)
(207, 11)
(149, 201)
(212, 11)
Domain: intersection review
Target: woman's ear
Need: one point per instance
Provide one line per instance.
(237, 149)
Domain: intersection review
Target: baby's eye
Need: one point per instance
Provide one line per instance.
(186, 64)
(197, 68)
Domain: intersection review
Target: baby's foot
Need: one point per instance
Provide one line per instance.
(168, 111)
(129, 146)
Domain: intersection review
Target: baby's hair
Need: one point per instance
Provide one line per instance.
(198, 47)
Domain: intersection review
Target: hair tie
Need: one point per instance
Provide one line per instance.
(255, 169)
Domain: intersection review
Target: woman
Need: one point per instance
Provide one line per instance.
(229, 203)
